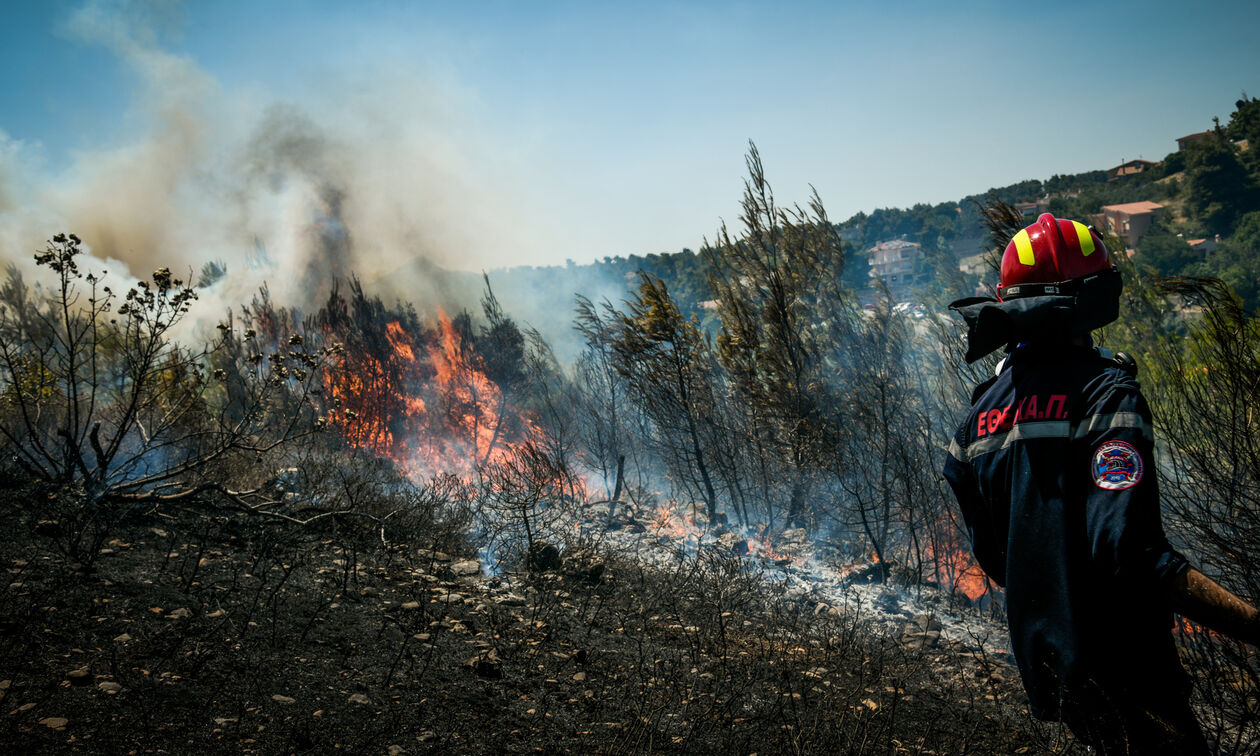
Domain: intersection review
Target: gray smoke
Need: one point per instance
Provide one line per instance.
(380, 169)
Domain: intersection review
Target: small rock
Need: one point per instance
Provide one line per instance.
(466, 568)
(179, 614)
(449, 598)
(223, 721)
(543, 557)
(795, 535)
(510, 599)
(927, 622)
(422, 637)
(283, 699)
(109, 687)
(124, 638)
(579, 677)
(80, 676)
(359, 698)
(410, 606)
(426, 736)
(396, 750)
(55, 723)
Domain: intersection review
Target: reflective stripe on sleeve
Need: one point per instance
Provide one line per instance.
(1050, 429)
(1113, 421)
(956, 451)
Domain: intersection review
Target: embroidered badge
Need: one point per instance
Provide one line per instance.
(1117, 466)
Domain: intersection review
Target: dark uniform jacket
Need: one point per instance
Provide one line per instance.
(1054, 473)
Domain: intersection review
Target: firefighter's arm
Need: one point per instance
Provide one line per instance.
(1197, 597)
(1116, 443)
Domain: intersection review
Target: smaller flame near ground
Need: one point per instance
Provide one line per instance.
(960, 570)
(670, 523)
(761, 546)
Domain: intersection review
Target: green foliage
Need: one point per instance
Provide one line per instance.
(1244, 124)
(1164, 251)
(782, 310)
(667, 363)
(1218, 188)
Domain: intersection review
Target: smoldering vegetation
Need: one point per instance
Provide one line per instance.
(355, 527)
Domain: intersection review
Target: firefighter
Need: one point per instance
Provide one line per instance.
(1054, 471)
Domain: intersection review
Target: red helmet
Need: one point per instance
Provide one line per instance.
(1048, 254)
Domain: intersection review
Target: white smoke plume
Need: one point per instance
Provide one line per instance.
(383, 168)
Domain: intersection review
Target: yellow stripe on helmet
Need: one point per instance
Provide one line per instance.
(1087, 239)
(1023, 245)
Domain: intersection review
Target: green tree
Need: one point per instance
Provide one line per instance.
(780, 307)
(1244, 124)
(668, 365)
(1164, 251)
(1218, 188)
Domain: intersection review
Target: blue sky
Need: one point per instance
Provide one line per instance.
(505, 132)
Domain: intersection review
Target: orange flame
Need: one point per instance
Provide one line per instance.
(960, 570)
(669, 523)
(431, 409)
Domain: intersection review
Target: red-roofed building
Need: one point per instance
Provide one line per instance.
(1189, 139)
(1204, 246)
(1130, 168)
(1131, 220)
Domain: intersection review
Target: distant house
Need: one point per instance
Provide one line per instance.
(1204, 246)
(1130, 168)
(974, 264)
(1189, 139)
(1033, 209)
(1130, 221)
(894, 262)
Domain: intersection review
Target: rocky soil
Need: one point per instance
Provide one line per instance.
(193, 633)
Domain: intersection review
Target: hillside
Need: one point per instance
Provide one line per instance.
(698, 512)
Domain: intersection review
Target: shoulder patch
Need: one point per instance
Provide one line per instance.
(1117, 466)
